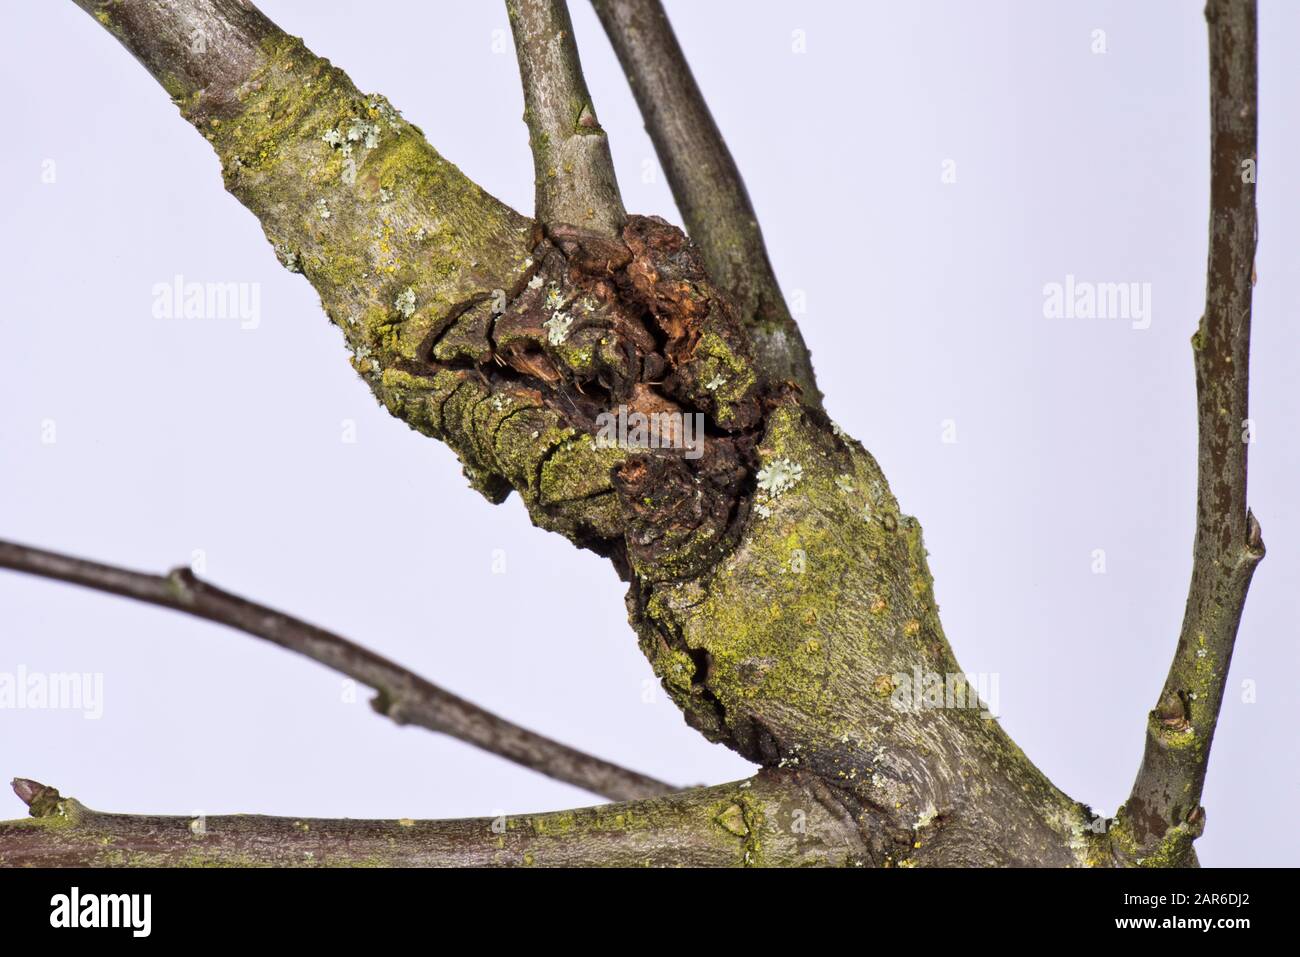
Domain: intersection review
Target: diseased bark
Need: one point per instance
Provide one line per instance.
(1163, 814)
(779, 592)
(404, 697)
(773, 819)
(706, 184)
(576, 184)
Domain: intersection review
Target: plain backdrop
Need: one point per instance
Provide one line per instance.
(922, 301)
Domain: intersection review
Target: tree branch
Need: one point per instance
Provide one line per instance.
(781, 595)
(203, 48)
(1163, 814)
(576, 183)
(706, 183)
(771, 819)
(402, 696)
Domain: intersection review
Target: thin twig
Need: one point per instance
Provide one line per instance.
(1167, 792)
(576, 184)
(705, 182)
(402, 696)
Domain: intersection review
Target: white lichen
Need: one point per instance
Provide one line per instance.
(385, 194)
(366, 133)
(405, 302)
(557, 328)
(778, 476)
(716, 383)
(844, 483)
(386, 111)
(535, 282)
(322, 209)
(288, 258)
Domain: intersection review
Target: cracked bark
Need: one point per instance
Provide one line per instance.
(706, 184)
(777, 589)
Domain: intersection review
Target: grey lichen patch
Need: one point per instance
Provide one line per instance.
(405, 303)
(779, 475)
(557, 328)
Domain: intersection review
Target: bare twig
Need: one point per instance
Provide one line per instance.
(706, 184)
(741, 823)
(576, 185)
(1165, 801)
(402, 696)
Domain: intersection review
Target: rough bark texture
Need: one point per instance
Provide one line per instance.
(706, 184)
(773, 819)
(777, 588)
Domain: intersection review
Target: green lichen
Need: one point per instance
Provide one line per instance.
(727, 377)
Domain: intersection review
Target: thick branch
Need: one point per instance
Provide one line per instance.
(1164, 807)
(402, 696)
(576, 184)
(771, 819)
(705, 182)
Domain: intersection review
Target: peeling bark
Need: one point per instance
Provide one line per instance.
(706, 184)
